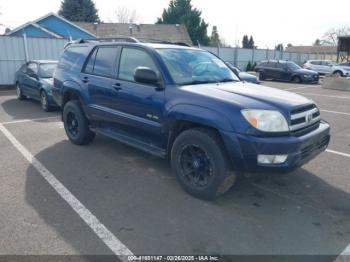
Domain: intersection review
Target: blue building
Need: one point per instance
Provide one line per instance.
(51, 26)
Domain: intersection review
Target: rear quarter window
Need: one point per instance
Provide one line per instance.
(73, 58)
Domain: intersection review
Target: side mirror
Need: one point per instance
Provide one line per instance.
(146, 75)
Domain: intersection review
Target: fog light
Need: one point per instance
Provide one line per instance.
(272, 159)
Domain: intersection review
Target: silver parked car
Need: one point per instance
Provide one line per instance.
(327, 67)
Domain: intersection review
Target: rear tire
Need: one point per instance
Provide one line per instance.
(338, 73)
(19, 92)
(201, 165)
(76, 124)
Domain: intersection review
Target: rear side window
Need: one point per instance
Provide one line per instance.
(132, 58)
(73, 57)
(271, 64)
(280, 65)
(315, 63)
(105, 61)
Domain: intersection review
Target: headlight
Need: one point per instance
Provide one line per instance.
(266, 120)
(307, 76)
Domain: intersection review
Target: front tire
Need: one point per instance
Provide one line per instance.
(261, 76)
(76, 124)
(200, 163)
(19, 92)
(296, 79)
(44, 101)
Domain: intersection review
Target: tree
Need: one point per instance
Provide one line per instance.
(317, 42)
(245, 42)
(215, 38)
(125, 15)
(251, 43)
(289, 45)
(249, 66)
(79, 11)
(248, 42)
(279, 47)
(331, 36)
(182, 12)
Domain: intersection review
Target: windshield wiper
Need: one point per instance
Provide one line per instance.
(198, 82)
(225, 80)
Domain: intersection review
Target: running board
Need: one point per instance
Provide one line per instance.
(156, 151)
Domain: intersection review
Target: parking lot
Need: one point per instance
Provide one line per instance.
(108, 198)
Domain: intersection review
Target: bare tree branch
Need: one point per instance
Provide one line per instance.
(125, 15)
(331, 36)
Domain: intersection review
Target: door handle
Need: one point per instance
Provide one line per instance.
(117, 86)
(85, 79)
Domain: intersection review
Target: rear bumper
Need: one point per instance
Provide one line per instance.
(244, 149)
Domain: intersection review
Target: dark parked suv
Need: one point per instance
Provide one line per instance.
(285, 71)
(185, 104)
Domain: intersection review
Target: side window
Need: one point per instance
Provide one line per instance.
(280, 66)
(105, 61)
(272, 65)
(131, 58)
(32, 68)
(89, 67)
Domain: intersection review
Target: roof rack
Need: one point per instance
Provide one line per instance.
(127, 39)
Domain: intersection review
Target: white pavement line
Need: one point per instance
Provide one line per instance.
(29, 120)
(338, 153)
(314, 94)
(344, 256)
(100, 230)
(335, 112)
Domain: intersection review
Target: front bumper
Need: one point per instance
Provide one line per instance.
(311, 79)
(244, 149)
(51, 100)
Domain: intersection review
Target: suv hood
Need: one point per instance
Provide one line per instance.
(256, 95)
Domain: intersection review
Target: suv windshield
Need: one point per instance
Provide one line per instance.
(189, 67)
(293, 66)
(47, 70)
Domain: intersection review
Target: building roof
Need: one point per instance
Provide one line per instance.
(52, 28)
(312, 49)
(166, 32)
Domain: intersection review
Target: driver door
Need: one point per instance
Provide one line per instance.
(139, 106)
(31, 80)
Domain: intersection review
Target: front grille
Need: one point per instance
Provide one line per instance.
(304, 117)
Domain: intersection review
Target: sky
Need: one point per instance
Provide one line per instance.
(270, 22)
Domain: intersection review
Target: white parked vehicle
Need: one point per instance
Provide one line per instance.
(327, 67)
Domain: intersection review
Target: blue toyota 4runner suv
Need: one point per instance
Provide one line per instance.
(185, 104)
